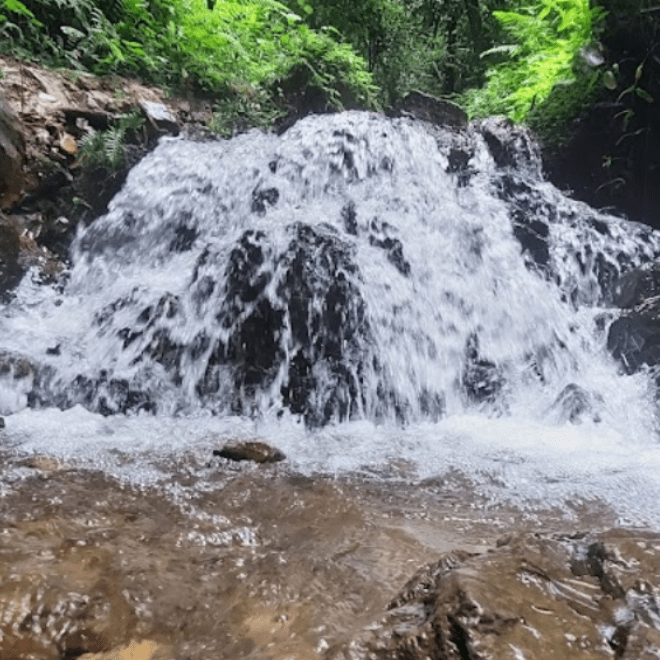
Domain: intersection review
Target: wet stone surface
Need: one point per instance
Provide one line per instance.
(256, 561)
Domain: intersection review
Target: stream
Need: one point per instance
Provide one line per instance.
(411, 314)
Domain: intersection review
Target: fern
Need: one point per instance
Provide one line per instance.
(108, 148)
(548, 35)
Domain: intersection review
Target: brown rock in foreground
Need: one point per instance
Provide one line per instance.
(533, 597)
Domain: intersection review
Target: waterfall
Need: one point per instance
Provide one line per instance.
(355, 270)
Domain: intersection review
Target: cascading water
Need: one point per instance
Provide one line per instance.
(403, 291)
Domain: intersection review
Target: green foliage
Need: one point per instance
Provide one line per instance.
(400, 48)
(240, 45)
(545, 38)
(108, 148)
(428, 45)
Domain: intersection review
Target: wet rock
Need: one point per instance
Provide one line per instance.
(298, 96)
(257, 452)
(482, 380)
(12, 156)
(17, 375)
(428, 108)
(634, 338)
(636, 286)
(317, 315)
(575, 404)
(511, 146)
(11, 270)
(588, 269)
(533, 596)
(380, 235)
(74, 608)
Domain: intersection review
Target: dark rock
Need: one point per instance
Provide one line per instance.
(298, 96)
(511, 146)
(257, 452)
(12, 156)
(349, 217)
(574, 404)
(2, 422)
(634, 338)
(635, 287)
(380, 235)
(11, 271)
(482, 380)
(533, 596)
(316, 319)
(99, 121)
(261, 198)
(428, 108)
(18, 375)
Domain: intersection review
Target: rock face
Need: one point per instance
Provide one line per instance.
(10, 269)
(533, 597)
(12, 156)
(634, 337)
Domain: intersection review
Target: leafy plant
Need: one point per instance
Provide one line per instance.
(545, 38)
(108, 148)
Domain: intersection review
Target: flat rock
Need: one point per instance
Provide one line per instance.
(258, 452)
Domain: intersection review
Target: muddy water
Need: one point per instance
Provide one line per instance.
(223, 561)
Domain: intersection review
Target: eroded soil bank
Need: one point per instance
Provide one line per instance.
(256, 561)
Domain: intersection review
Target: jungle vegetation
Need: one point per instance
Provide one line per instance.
(539, 61)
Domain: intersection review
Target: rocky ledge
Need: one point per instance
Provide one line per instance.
(66, 146)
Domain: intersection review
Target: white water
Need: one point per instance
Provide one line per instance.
(462, 275)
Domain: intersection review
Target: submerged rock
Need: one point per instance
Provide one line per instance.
(534, 597)
(575, 404)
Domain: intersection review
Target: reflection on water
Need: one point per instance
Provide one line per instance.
(248, 562)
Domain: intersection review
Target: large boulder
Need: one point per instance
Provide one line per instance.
(533, 596)
(428, 108)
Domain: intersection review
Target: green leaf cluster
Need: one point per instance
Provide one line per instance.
(108, 148)
(543, 39)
